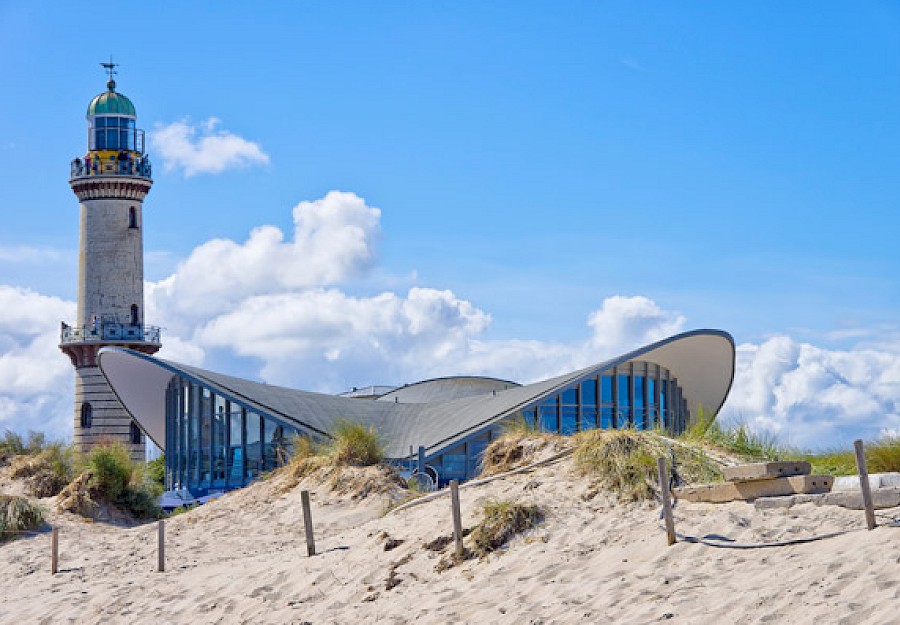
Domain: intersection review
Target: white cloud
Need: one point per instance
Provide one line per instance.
(202, 149)
(277, 307)
(36, 380)
(810, 396)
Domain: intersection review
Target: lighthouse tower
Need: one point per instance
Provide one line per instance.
(111, 181)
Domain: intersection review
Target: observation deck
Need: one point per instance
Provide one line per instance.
(94, 165)
(109, 333)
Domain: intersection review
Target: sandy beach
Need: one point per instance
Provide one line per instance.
(242, 559)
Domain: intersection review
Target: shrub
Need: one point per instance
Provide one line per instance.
(12, 443)
(18, 514)
(501, 520)
(111, 467)
(355, 444)
(740, 440)
(108, 474)
(883, 456)
(624, 461)
(156, 471)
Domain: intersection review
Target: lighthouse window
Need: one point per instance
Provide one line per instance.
(132, 217)
(87, 414)
(134, 315)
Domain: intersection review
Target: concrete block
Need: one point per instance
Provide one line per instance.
(876, 480)
(881, 498)
(746, 491)
(765, 471)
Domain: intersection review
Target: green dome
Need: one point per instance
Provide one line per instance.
(110, 103)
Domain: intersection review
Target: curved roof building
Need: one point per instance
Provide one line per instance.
(221, 431)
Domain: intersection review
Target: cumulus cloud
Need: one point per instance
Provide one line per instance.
(36, 382)
(279, 307)
(334, 241)
(810, 396)
(203, 149)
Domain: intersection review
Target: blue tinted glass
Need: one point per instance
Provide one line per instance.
(588, 405)
(639, 414)
(664, 402)
(100, 122)
(606, 399)
(623, 412)
(529, 416)
(253, 452)
(651, 403)
(112, 139)
(549, 418)
(569, 411)
(476, 452)
(454, 466)
(99, 139)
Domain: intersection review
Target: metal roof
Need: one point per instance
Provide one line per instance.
(702, 360)
(111, 103)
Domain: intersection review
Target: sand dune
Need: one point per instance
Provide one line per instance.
(242, 559)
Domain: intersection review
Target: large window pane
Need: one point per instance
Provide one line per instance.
(664, 403)
(548, 415)
(588, 405)
(206, 410)
(651, 403)
(235, 468)
(623, 413)
(453, 464)
(274, 445)
(569, 412)
(219, 435)
(475, 455)
(606, 402)
(254, 454)
(639, 412)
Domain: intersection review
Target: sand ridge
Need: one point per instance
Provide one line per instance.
(242, 559)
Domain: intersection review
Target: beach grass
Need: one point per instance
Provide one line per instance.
(354, 444)
(18, 514)
(501, 520)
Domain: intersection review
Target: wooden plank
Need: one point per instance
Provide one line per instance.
(746, 491)
(765, 471)
(54, 551)
(457, 517)
(666, 501)
(161, 547)
(307, 524)
(864, 483)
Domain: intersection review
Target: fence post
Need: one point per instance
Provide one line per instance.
(864, 483)
(54, 551)
(307, 524)
(666, 502)
(161, 551)
(457, 517)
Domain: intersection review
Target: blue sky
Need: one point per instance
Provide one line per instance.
(735, 164)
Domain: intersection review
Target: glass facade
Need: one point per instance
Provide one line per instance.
(214, 442)
(637, 395)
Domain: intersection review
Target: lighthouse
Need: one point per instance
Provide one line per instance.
(110, 180)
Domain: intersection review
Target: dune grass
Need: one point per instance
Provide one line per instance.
(108, 475)
(18, 514)
(501, 520)
(354, 444)
(624, 462)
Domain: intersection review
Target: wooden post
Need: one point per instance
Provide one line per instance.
(307, 524)
(54, 551)
(457, 517)
(161, 551)
(864, 483)
(666, 502)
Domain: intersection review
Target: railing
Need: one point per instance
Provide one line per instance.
(92, 166)
(109, 332)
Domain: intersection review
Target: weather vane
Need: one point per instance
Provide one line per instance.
(111, 68)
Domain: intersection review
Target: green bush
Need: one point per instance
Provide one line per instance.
(119, 480)
(18, 514)
(156, 471)
(12, 443)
